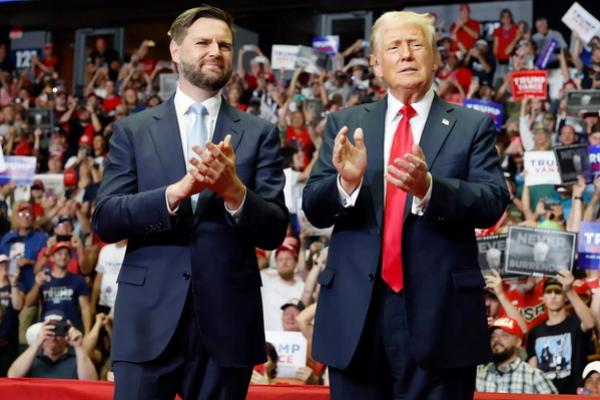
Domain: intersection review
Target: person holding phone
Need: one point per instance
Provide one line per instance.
(56, 352)
(63, 232)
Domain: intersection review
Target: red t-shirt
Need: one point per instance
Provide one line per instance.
(504, 38)
(530, 304)
(462, 36)
(242, 107)
(110, 103)
(303, 141)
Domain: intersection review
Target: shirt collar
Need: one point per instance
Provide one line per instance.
(183, 102)
(508, 368)
(421, 107)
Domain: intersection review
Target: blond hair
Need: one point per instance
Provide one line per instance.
(425, 22)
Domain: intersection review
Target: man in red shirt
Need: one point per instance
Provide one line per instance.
(465, 31)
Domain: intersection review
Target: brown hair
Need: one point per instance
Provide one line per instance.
(181, 24)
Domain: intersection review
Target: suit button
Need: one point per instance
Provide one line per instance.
(371, 277)
(186, 275)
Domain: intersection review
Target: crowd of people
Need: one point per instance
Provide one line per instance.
(58, 281)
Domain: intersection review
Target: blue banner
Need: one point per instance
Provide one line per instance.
(19, 169)
(494, 110)
(546, 54)
(588, 245)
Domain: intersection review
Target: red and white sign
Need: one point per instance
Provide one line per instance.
(529, 83)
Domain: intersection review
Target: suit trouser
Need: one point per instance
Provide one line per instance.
(383, 368)
(184, 368)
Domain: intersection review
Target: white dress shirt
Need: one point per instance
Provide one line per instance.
(392, 119)
(186, 119)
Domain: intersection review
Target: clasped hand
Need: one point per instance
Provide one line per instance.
(214, 169)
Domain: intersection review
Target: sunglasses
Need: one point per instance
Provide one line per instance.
(555, 291)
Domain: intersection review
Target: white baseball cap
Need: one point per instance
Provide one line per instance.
(594, 366)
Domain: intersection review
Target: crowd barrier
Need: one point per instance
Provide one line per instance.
(61, 389)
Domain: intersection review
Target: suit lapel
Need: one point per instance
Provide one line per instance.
(228, 122)
(437, 128)
(168, 147)
(373, 124)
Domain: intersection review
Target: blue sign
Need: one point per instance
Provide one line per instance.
(494, 110)
(546, 53)
(588, 245)
(594, 152)
(19, 169)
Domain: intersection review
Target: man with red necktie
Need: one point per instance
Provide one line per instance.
(401, 311)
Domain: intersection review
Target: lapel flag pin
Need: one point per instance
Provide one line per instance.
(445, 122)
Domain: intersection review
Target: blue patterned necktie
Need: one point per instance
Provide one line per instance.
(198, 135)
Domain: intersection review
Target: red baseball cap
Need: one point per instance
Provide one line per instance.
(508, 325)
(290, 244)
(24, 206)
(85, 140)
(60, 245)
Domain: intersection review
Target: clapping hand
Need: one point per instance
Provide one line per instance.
(350, 160)
(409, 173)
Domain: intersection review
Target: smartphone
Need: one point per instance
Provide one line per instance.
(63, 238)
(61, 329)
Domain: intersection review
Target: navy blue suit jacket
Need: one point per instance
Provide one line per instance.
(207, 250)
(443, 284)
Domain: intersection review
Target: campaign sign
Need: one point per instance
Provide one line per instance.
(311, 60)
(573, 160)
(329, 44)
(291, 349)
(588, 245)
(579, 20)
(40, 118)
(491, 251)
(539, 252)
(19, 169)
(494, 110)
(583, 101)
(529, 83)
(541, 168)
(283, 56)
(594, 152)
(54, 184)
(546, 53)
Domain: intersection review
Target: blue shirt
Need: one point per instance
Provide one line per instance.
(63, 294)
(33, 241)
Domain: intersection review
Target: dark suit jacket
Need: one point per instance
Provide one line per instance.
(208, 250)
(443, 283)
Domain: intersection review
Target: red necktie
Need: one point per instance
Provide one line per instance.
(395, 199)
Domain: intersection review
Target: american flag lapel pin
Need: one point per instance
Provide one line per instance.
(445, 122)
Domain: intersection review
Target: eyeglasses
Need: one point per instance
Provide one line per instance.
(24, 214)
(554, 291)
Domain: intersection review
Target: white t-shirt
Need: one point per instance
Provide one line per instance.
(275, 293)
(109, 265)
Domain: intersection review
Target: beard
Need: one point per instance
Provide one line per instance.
(501, 356)
(212, 81)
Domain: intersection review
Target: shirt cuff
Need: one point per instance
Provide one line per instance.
(172, 213)
(347, 200)
(235, 214)
(419, 205)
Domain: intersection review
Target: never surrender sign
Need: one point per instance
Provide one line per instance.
(529, 84)
(539, 252)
